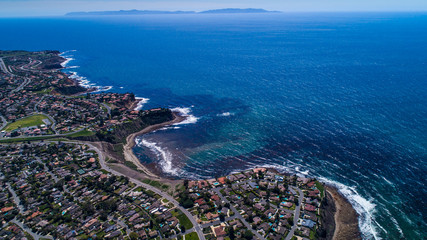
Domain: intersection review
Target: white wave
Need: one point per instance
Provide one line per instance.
(225, 114)
(396, 224)
(141, 102)
(297, 169)
(68, 51)
(72, 67)
(189, 118)
(67, 60)
(84, 82)
(164, 157)
(365, 209)
(388, 181)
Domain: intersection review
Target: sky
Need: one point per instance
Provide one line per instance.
(22, 8)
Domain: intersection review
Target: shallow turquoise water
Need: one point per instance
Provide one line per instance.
(342, 96)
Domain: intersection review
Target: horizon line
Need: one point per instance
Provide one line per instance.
(269, 12)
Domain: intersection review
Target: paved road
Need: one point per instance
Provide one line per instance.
(217, 222)
(297, 213)
(46, 169)
(49, 135)
(104, 166)
(37, 104)
(107, 107)
(237, 214)
(3, 66)
(21, 210)
(15, 198)
(29, 231)
(3, 122)
(20, 87)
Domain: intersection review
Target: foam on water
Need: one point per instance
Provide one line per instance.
(185, 112)
(225, 114)
(67, 60)
(163, 155)
(83, 81)
(141, 103)
(365, 209)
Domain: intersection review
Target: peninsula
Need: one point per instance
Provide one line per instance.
(151, 12)
(68, 171)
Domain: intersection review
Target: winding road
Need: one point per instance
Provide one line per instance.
(3, 66)
(165, 195)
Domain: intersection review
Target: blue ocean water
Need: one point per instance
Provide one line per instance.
(342, 97)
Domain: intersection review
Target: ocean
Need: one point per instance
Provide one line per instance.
(338, 96)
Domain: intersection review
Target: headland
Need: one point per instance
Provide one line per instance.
(84, 142)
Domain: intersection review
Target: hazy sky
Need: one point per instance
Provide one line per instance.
(59, 7)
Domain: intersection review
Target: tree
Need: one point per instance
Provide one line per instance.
(182, 229)
(248, 234)
(222, 217)
(187, 203)
(88, 208)
(133, 235)
(231, 233)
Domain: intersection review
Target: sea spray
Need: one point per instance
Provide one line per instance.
(83, 81)
(225, 114)
(185, 112)
(164, 157)
(365, 209)
(141, 103)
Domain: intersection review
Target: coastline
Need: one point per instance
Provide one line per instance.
(130, 143)
(345, 217)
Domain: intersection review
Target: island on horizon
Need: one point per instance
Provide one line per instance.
(67, 170)
(148, 12)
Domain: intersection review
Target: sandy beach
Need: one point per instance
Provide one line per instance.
(346, 218)
(130, 143)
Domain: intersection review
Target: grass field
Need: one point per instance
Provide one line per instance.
(154, 183)
(83, 133)
(34, 120)
(183, 220)
(191, 236)
(321, 188)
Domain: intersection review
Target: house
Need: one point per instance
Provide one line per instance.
(309, 207)
(307, 223)
(286, 204)
(219, 232)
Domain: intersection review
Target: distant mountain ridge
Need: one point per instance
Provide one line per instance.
(146, 12)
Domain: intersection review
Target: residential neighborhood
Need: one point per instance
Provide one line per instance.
(64, 173)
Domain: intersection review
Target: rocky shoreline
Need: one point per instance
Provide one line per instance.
(340, 219)
(345, 217)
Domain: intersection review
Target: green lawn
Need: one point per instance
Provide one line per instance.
(321, 188)
(156, 184)
(83, 133)
(191, 236)
(34, 120)
(183, 220)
